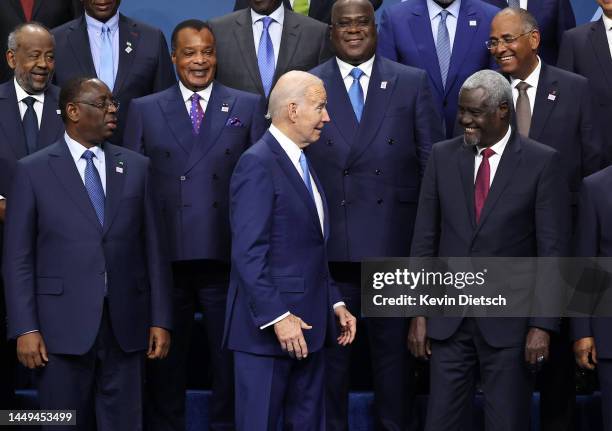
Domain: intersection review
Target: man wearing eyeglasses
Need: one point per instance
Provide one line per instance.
(87, 285)
(552, 107)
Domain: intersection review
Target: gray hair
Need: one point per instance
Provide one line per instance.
(527, 19)
(12, 37)
(290, 88)
(497, 87)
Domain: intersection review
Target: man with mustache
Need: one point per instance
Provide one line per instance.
(489, 193)
(28, 122)
(87, 285)
(129, 56)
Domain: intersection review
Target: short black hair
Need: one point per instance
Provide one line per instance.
(69, 93)
(195, 24)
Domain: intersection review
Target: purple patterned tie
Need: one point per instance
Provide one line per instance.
(196, 113)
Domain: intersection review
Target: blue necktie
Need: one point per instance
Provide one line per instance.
(93, 184)
(107, 74)
(306, 174)
(265, 56)
(30, 125)
(443, 46)
(356, 92)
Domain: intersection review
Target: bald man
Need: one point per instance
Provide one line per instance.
(282, 301)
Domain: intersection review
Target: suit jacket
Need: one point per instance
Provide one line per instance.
(319, 9)
(279, 259)
(562, 119)
(192, 173)
(553, 17)
(145, 69)
(51, 13)
(304, 44)
(405, 36)
(594, 239)
(371, 171)
(585, 51)
(58, 259)
(526, 214)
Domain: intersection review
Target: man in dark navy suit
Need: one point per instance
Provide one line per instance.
(317, 9)
(282, 300)
(489, 193)
(446, 38)
(370, 159)
(87, 285)
(28, 121)
(194, 132)
(129, 56)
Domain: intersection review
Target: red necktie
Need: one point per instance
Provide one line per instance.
(481, 185)
(28, 6)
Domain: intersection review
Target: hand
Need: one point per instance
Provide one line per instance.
(31, 350)
(2, 209)
(159, 343)
(585, 353)
(418, 343)
(290, 336)
(536, 347)
(348, 325)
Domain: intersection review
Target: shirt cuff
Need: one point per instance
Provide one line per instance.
(2, 198)
(278, 319)
(339, 304)
(29, 332)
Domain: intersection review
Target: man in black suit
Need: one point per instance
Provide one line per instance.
(586, 50)
(48, 12)
(559, 108)
(317, 9)
(255, 46)
(130, 57)
(23, 129)
(493, 193)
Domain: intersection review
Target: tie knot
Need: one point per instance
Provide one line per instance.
(195, 98)
(522, 86)
(356, 73)
(443, 14)
(266, 20)
(486, 153)
(106, 30)
(29, 101)
(88, 155)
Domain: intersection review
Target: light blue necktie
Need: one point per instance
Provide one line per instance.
(443, 46)
(265, 56)
(514, 3)
(356, 92)
(306, 174)
(93, 184)
(107, 74)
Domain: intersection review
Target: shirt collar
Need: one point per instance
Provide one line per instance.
(77, 149)
(533, 79)
(22, 94)
(112, 23)
(278, 15)
(434, 9)
(187, 93)
(293, 151)
(607, 22)
(345, 68)
(499, 146)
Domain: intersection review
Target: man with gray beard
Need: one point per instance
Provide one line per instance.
(488, 193)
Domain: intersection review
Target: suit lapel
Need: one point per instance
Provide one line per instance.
(36, 8)
(62, 165)
(114, 184)
(79, 42)
(215, 119)
(324, 201)
(375, 108)
(244, 36)
(10, 120)
(465, 164)
(18, 10)
(50, 123)
(177, 119)
(464, 37)
(289, 43)
(339, 104)
(599, 42)
(129, 36)
(543, 105)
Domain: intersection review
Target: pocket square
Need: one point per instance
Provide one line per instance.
(234, 122)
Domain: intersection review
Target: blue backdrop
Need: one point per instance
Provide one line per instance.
(165, 14)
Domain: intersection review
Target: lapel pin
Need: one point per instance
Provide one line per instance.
(473, 23)
(119, 168)
(128, 49)
(383, 85)
(58, 111)
(552, 96)
(225, 107)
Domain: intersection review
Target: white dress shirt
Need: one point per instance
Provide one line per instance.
(533, 79)
(451, 20)
(94, 31)
(345, 72)
(275, 29)
(204, 96)
(608, 25)
(38, 104)
(499, 148)
(77, 150)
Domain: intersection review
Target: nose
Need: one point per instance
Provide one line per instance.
(325, 118)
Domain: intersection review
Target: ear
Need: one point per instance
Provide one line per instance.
(10, 59)
(504, 110)
(534, 40)
(292, 111)
(72, 112)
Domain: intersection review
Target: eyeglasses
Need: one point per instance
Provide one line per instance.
(360, 23)
(506, 40)
(101, 105)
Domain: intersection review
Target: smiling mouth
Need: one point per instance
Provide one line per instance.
(200, 73)
(470, 130)
(505, 58)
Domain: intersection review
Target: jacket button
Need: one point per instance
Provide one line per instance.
(330, 142)
(182, 178)
(379, 201)
(345, 172)
(227, 152)
(215, 204)
(215, 177)
(167, 153)
(445, 103)
(378, 171)
(390, 141)
(343, 203)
